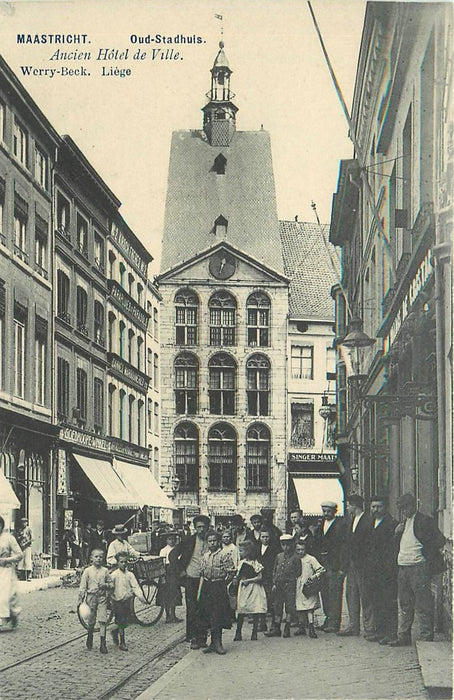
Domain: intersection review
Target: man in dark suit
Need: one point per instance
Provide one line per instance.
(187, 558)
(383, 569)
(419, 558)
(328, 542)
(356, 562)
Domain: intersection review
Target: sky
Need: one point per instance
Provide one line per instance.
(123, 125)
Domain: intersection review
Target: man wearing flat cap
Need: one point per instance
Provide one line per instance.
(187, 558)
(328, 542)
(120, 544)
(419, 558)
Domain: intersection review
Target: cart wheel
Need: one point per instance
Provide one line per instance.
(147, 614)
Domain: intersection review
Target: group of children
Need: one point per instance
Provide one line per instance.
(294, 592)
(290, 592)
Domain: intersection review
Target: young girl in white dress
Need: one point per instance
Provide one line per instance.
(251, 596)
(307, 604)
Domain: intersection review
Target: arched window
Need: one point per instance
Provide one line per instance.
(140, 409)
(186, 383)
(258, 452)
(111, 339)
(219, 164)
(131, 418)
(186, 456)
(139, 353)
(258, 308)
(130, 345)
(222, 457)
(222, 384)
(122, 338)
(258, 385)
(186, 312)
(222, 307)
(122, 269)
(111, 410)
(121, 413)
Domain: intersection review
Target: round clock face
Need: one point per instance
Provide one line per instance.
(222, 265)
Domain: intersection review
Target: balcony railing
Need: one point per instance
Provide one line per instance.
(82, 328)
(64, 233)
(64, 316)
(21, 254)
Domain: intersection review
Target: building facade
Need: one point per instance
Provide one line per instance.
(74, 329)
(153, 352)
(28, 145)
(392, 216)
(223, 319)
(314, 473)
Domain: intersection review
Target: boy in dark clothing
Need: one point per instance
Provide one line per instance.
(287, 569)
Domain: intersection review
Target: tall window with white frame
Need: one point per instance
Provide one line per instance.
(99, 252)
(258, 307)
(82, 306)
(82, 235)
(186, 317)
(41, 167)
(222, 307)
(122, 339)
(156, 370)
(20, 228)
(63, 215)
(156, 418)
(186, 383)
(140, 432)
(302, 361)
(81, 394)
(139, 353)
(2, 121)
(131, 417)
(98, 404)
(40, 360)
(258, 385)
(222, 457)
(20, 330)
(186, 456)
(20, 143)
(111, 409)
(121, 414)
(258, 455)
(41, 235)
(63, 296)
(222, 384)
(98, 315)
(62, 389)
(111, 330)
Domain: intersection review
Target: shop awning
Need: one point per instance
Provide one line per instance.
(106, 480)
(141, 481)
(8, 499)
(312, 491)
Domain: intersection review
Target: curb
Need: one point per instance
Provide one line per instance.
(38, 584)
(162, 682)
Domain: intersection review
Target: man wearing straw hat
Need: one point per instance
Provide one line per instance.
(120, 544)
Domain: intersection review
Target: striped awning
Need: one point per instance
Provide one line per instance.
(8, 499)
(311, 491)
(141, 481)
(108, 483)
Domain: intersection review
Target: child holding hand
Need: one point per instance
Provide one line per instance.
(94, 586)
(125, 587)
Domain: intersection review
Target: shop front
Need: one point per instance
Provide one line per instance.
(313, 478)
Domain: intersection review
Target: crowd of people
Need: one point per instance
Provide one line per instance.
(275, 580)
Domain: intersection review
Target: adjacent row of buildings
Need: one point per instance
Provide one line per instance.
(239, 415)
(79, 329)
(392, 216)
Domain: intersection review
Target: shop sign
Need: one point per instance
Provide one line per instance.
(417, 284)
(81, 438)
(68, 519)
(191, 512)
(311, 457)
(62, 474)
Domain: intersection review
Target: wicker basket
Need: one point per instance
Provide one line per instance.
(147, 570)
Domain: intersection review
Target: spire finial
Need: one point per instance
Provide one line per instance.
(221, 44)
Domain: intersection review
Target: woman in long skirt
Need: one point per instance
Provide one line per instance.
(217, 571)
(10, 554)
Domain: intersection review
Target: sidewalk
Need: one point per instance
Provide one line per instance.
(299, 667)
(40, 584)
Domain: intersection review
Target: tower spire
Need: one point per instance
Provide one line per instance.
(219, 113)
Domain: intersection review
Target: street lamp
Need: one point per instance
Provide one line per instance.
(355, 341)
(174, 485)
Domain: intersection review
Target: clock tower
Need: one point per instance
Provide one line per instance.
(219, 113)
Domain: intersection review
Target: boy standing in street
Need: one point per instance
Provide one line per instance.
(94, 585)
(125, 587)
(287, 569)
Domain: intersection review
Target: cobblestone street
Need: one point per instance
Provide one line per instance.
(71, 672)
(270, 668)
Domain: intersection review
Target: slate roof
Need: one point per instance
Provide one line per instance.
(244, 195)
(307, 265)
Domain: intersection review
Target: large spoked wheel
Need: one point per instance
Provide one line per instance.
(147, 614)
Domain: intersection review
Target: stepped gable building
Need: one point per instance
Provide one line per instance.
(312, 266)
(27, 150)
(224, 316)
